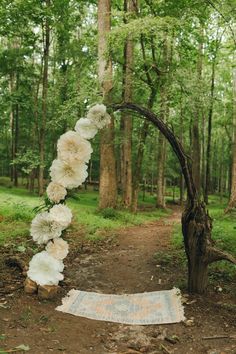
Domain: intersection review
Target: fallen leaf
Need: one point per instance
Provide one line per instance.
(23, 347)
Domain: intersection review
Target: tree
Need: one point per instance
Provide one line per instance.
(214, 53)
(196, 222)
(42, 128)
(126, 119)
(164, 114)
(232, 200)
(196, 143)
(107, 182)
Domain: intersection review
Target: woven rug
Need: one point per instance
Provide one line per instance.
(137, 309)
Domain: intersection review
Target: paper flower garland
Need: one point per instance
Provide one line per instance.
(68, 171)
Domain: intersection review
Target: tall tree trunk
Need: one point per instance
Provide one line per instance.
(232, 199)
(153, 85)
(160, 200)
(126, 118)
(108, 181)
(164, 113)
(203, 154)
(42, 130)
(16, 132)
(139, 159)
(208, 152)
(181, 138)
(138, 165)
(196, 145)
(12, 125)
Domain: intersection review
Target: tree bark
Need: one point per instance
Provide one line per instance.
(196, 145)
(126, 119)
(164, 115)
(42, 129)
(232, 199)
(160, 200)
(138, 165)
(181, 137)
(196, 222)
(153, 85)
(108, 181)
(208, 152)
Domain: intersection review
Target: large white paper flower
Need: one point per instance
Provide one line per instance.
(58, 248)
(56, 192)
(71, 147)
(69, 175)
(61, 214)
(44, 228)
(99, 116)
(86, 128)
(45, 269)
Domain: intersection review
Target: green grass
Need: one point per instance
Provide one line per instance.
(16, 213)
(223, 232)
(87, 214)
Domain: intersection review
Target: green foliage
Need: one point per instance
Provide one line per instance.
(147, 26)
(27, 161)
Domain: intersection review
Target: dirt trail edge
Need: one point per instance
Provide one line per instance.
(134, 259)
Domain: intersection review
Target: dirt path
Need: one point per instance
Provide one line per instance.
(126, 264)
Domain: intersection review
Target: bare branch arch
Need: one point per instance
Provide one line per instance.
(196, 222)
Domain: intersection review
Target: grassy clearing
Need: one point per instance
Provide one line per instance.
(16, 213)
(224, 233)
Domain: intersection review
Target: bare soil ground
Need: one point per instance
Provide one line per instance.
(134, 259)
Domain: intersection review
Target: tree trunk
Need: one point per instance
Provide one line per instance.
(31, 180)
(126, 119)
(138, 165)
(181, 137)
(208, 152)
(108, 182)
(12, 125)
(232, 199)
(164, 114)
(42, 130)
(153, 85)
(196, 223)
(196, 145)
(16, 132)
(160, 200)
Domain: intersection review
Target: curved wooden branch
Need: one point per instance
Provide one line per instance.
(174, 142)
(215, 255)
(196, 222)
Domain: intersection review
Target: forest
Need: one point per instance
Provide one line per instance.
(137, 98)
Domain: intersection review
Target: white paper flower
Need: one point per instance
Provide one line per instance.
(69, 175)
(56, 192)
(86, 128)
(58, 248)
(44, 228)
(45, 269)
(61, 214)
(99, 116)
(71, 147)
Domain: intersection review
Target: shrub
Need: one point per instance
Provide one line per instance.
(109, 213)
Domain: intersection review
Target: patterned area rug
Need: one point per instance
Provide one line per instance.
(137, 309)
